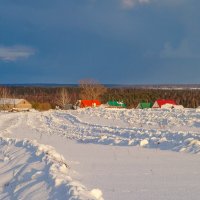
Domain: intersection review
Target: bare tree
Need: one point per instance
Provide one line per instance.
(91, 89)
(4, 94)
(63, 98)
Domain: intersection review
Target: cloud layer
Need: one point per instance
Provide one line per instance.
(126, 38)
(14, 53)
(131, 3)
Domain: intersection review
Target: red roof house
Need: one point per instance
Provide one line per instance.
(90, 103)
(160, 102)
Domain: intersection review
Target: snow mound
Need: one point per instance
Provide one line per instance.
(27, 166)
(97, 193)
(144, 143)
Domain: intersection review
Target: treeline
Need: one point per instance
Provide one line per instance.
(43, 98)
(47, 97)
(131, 97)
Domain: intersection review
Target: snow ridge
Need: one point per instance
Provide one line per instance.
(27, 175)
(164, 129)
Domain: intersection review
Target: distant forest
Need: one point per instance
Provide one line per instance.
(131, 97)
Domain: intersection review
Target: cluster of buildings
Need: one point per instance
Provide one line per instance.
(95, 103)
(24, 105)
(160, 103)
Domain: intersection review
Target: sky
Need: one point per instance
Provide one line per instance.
(111, 41)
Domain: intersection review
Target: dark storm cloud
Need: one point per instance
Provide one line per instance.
(114, 41)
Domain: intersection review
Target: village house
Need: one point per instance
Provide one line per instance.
(116, 104)
(144, 105)
(161, 102)
(89, 103)
(17, 104)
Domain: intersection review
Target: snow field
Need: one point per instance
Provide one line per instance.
(118, 165)
(164, 129)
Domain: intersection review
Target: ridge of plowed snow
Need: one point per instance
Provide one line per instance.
(30, 171)
(170, 132)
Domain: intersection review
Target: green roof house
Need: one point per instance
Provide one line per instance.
(144, 105)
(116, 104)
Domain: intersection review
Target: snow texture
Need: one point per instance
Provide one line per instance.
(117, 168)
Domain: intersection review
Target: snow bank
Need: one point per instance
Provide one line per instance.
(54, 170)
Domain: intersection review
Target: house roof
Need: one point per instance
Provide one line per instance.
(116, 103)
(88, 103)
(10, 101)
(165, 101)
(145, 105)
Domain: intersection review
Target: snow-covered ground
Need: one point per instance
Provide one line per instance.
(97, 153)
(33, 171)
